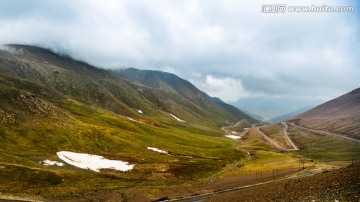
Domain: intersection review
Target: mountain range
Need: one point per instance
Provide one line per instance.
(272, 107)
(122, 92)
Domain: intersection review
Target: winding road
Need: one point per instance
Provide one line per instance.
(326, 133)
(211, 194)
(286, 134)
(275, 144)
(228, 132)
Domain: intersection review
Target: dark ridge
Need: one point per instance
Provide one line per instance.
(50, 51)
(355, 91)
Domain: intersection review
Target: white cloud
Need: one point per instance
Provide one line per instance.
(226, 88)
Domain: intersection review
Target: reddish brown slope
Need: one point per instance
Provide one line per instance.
(338, 185)
(340, 115)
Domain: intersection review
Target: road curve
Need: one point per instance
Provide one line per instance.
(271, 141)
(286, 134)
(228, 132)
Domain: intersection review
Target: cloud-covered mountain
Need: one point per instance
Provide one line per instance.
(212, 43)
(122, 92)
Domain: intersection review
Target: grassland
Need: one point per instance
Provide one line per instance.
(156, 173)
(262, 156)
(72, 125)
(114, 137)
(325, 148)
(34, 128)
(264, 164)
(50, 104)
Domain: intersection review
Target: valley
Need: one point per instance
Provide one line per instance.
(70, 131)
(274, 167)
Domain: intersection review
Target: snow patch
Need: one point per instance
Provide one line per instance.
(131, 119)
(140, 111)
(93, 162)
(157, 150)
(177, 118)
(233, 137)
(51, 163)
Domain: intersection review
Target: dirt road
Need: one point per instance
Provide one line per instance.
(275, 144)
(326, 133)
(286, 134)
(11, 198)
(212, 194)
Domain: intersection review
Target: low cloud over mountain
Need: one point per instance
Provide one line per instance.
(212, 43)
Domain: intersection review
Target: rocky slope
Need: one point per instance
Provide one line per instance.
(338, 185)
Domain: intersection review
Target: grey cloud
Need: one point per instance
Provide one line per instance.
(56, 11)
(314, 55)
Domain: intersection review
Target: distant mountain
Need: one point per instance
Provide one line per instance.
(255, 116)
(341, 115)
(270, 107)
(289, 115)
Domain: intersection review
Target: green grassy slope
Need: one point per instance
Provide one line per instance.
(324, 148)
(51, 103)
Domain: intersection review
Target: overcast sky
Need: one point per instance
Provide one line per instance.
(228, 48)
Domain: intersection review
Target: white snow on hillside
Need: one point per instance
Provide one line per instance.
(157, 150)
(51, 163)
(131, 119)
(233, 137)
(93, 162)
(180, 120)
(140, 111)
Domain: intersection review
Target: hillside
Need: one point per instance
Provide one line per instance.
(339, 185)
(184, 94)
(151, 91)
(169, 134)
(340, 115)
